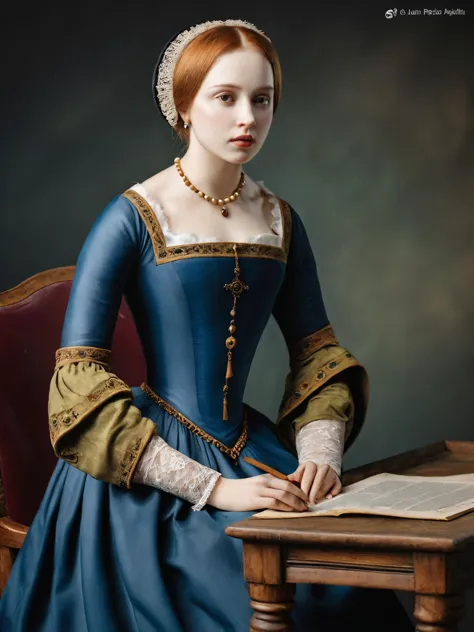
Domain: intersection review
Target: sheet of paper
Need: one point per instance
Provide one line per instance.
(425, 497)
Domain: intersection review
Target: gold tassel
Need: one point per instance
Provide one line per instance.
(225, 414)
(229, 373)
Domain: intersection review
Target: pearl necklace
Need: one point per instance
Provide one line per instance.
(209, 198)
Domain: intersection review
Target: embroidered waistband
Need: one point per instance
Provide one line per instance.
(233, 452)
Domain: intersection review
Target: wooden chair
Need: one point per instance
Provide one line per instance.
(31, 318)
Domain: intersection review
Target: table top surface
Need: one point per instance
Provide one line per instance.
(439, 459)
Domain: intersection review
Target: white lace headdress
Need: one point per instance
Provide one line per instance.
(164, 71)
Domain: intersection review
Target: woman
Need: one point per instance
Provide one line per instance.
(130, 533)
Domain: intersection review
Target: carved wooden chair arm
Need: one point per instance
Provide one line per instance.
(12, 534)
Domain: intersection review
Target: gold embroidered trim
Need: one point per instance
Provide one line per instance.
(67, 355)
(151, 222)
(302, 349)
(131, 458)
(70, 455)
(301, 390)
(164, 253)
(61, 423)
(233, 453)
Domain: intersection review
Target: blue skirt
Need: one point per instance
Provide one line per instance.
(101, 558)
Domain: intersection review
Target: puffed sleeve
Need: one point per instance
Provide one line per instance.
(93, 423)
(325, 380)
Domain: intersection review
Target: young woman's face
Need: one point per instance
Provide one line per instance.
(235, 99)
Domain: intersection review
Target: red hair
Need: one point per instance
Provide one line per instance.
(201, 53)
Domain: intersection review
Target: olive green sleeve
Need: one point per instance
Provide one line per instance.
(332, 402)
(325, 381)
(93, 423)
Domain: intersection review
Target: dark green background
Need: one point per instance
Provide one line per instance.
(372, 144)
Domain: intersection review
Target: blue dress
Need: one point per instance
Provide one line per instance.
(99, 557)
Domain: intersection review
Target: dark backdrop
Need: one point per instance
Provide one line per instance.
(372, 144)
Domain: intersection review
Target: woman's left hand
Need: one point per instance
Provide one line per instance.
(316, 481)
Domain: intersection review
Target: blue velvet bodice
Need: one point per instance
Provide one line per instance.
(184, 340)
(182, 311)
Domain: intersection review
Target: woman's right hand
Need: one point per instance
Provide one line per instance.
(257, 492)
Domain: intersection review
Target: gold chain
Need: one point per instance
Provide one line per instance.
(235, 287)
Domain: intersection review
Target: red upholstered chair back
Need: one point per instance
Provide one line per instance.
(31, 319)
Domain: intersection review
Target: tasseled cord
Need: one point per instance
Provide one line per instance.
(225, 414)
(228, 374)
(236, 287)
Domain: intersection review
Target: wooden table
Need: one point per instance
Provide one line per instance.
(434, 559)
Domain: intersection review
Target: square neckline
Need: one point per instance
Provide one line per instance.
(167, 254)
(161, 218)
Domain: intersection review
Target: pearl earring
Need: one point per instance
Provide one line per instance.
(186, 125)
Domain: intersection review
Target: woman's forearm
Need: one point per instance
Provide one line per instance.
(165, 468)
(322, 442)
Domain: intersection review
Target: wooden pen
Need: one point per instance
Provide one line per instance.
(269, 470)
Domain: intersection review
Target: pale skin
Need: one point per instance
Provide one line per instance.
(213, 164)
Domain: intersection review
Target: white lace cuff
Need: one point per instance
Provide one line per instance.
(322, 442)
(165, 468)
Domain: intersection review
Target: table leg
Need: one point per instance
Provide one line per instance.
(438, 613)
(272, 607)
